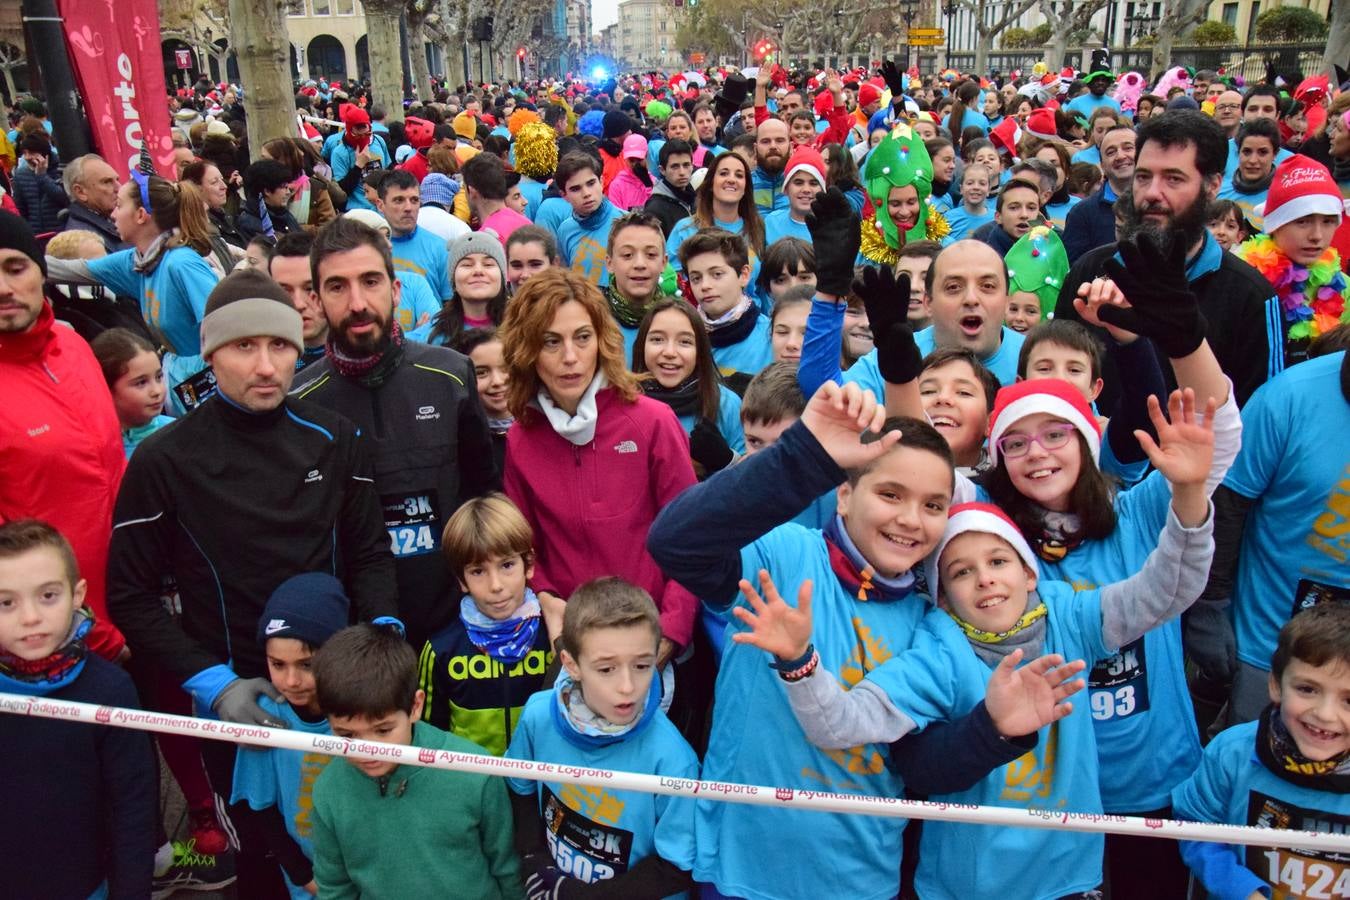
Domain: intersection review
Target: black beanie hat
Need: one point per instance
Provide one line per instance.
(249, 303)
(615, 124)
(16, 235)
(311, 607)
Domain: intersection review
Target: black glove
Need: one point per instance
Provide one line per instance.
(543, 880)
(1207, 634)
(708, 448)
(836, 233)
(1162, 305)
(887, 301)
(890, 73)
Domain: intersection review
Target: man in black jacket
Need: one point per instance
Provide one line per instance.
(1180, 164)
(418, 404)
(672, 198)
(92, 186)
(1092, 223)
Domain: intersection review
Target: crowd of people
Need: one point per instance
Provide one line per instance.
(953, 437)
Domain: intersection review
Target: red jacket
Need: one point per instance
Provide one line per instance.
(417, 165)
(61, 451)
(590, 507)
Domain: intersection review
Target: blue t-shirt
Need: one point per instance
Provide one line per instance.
(972, 118)
(1293, 464)
(595, 833)
(1233, 787)
(1003, 363)
(1085, 104)
(1088, 155)
(584, 243)
(751, 353)
(755, 739)
(941, 679)
(1231, 165)
(422, 252)
(1056, 213)
(173, 302)
(132, 437)
(342, 161)
(533, 192)
(551, 213)
(1138, 696)
(728, 419)
(780, 224)
(963, 222)
(415, 301)
(1246, 201)
(284, 779)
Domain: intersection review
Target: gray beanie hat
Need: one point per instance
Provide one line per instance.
(249, 303)
(485, 242)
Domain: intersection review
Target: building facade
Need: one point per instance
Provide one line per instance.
(645, 35)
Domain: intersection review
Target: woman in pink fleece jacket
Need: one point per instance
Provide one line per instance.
(589, 460)
(632, 187)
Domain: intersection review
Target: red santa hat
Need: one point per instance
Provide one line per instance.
(806, 159)
(984, 518)
(351, 115)
(1006, 135)
(1043, 395)
(1301, 187)
(868, 93)
(1041, 124)
(824, 104)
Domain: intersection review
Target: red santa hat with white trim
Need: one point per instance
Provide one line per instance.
(1041, 124)
(1302, 186)
(986, 519)
(1043, 395)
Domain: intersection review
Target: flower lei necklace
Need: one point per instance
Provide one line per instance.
(1313, 297)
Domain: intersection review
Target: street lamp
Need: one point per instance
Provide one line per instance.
(907, 8)
(948, 10)
(1138, 25)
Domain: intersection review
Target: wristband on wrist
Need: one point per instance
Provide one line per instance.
(788, 665)
(794, 675)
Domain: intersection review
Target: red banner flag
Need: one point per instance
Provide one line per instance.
(114, 50)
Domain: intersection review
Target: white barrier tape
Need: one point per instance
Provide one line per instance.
(320, 120)
(889, 807)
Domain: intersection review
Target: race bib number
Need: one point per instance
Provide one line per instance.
(193, 392)
(1311, 593)
(582, 848)
(1298, 874)
(413, 522)
(1118, 685)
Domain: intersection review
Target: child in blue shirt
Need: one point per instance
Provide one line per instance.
(479, 670)
(891, 505)
(302, 613)
(605, 712)
(973, 211)
(584, 237)
(1289, 770)
(718, 265)
(994, 610)
(136, 379)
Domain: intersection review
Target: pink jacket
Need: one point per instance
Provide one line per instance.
(627, 191)
(591, 507)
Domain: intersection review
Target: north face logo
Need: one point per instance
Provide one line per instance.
(274, 626)
(626, 447)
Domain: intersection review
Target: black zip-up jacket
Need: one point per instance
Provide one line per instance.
(667, 206)
(227, 504)
(432, 451)
(81, 218)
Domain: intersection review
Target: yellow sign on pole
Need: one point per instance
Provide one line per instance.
(926, 41)
(925, 33)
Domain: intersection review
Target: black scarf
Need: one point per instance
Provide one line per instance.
(683, 399)
(1252, 187)
(371, 371)
(1279, 753)
(734, 332)
(1340, 169)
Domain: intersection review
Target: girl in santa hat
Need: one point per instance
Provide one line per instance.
(1302, 211)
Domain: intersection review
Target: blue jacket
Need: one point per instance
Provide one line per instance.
(768, 190)
(40, 199)
(1091, 223)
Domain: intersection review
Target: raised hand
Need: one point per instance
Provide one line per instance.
(774, 626)
(1092, 296)
(886, 298)
(1023, 701)
(838, 417)
(1184, 450)
(1161, 305)
(836, 233)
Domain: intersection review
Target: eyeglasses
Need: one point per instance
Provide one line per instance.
(1227, 107)
(1051, 437)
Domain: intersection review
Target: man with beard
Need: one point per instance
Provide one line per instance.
(1178, 170)
(418, 405)
(1093, 222)
(772, 146)
(226, 504)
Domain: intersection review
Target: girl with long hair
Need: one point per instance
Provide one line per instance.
(478, 288)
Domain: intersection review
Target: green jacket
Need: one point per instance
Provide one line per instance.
(443, 835)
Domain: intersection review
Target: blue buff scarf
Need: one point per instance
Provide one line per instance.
(582, 727)
(39, 677)
(508, 640)
(856, 574)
